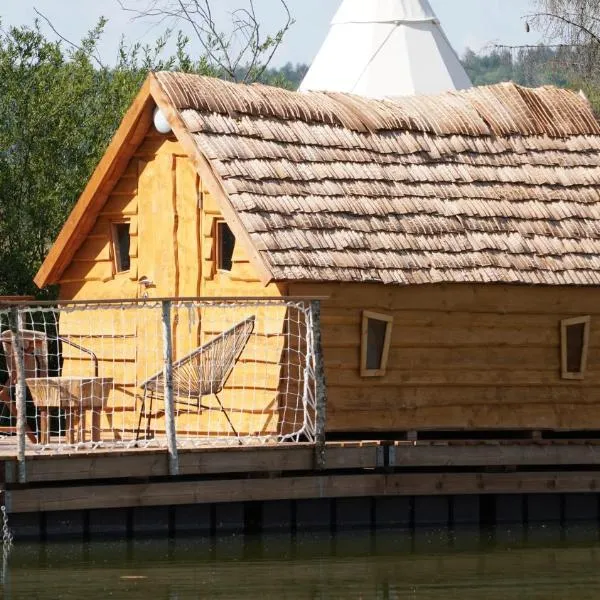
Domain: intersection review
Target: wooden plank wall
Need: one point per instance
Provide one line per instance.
(111, 334)
(253, 390)
(172, 226)
(126, 340)
(462, 357)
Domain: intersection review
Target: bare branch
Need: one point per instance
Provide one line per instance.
(64, 39)
(572, 28)
(567, 21)
(243, 53)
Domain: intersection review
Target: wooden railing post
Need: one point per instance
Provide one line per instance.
(170, 425)
(320, 387)
(21, 391)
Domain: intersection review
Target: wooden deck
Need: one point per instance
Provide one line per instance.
(138, 477)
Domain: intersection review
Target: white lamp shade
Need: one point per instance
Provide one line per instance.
(160, 121)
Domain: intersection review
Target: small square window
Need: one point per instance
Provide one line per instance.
(375, 346)
(121, 243)
(574, 340)
(225, 243)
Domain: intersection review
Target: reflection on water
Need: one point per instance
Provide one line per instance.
(542, 563)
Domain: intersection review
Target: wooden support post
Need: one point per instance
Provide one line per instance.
(412, 436)
(169, 405)
(21, 391)
(320, 387)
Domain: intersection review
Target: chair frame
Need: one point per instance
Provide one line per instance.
(39, 354)
(153, 387)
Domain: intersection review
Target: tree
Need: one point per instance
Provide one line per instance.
(58, 110)
(242, 54)
(571, 22)
(573, 28)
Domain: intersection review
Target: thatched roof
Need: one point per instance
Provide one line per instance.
(492, 184)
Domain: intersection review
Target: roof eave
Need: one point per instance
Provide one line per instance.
(114, 161)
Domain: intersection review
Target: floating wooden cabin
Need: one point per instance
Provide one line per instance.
(456, 237)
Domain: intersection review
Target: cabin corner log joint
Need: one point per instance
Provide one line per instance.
(468, 219)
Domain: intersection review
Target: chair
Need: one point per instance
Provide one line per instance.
(203, 372)
(35, 358)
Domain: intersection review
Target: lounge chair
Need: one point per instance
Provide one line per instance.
(203, 372)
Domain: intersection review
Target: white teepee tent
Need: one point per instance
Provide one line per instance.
(386, 48)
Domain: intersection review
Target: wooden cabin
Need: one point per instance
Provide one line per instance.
(456, 237)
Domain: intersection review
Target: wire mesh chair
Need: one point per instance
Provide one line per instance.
(203, 372)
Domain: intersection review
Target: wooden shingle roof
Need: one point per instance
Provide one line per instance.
(492, 184)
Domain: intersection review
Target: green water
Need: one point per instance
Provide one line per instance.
(542, 563)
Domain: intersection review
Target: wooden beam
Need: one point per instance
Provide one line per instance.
(324, 486)
(208, 461)
(123, 464)
(114, 162)
(210, 179)
(409, 455)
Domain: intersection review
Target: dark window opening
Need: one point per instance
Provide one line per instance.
(376, 338)
(575, 337)
(574, 347)
(225, 246)
(375, 342)
(121, 243)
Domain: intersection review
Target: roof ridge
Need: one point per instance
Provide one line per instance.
(501, 109)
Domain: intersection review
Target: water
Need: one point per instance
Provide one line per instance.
(541, 563)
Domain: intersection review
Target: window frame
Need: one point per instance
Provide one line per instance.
(389, 320)
(564, 325)
(114, 246)
(217, 237)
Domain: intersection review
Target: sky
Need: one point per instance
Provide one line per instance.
(476, 24)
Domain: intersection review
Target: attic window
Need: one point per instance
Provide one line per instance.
(375, 343)
(574, 340)
(225, 243)
(120, 244)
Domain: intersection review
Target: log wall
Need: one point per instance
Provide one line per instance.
(172, 223)
(462, 357)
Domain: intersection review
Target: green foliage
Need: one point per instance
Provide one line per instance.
(58, 110)
(289, 76)
(531, 67)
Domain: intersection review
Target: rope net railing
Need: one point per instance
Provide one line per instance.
(7, 542)
(101, 375)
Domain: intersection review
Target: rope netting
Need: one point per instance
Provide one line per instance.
(7, 542)
(242, 372)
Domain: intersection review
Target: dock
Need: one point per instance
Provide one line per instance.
(362, 484)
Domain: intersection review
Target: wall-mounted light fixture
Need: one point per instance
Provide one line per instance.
(160, 121)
